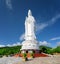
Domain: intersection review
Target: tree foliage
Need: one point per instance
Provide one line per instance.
(50, 50)
(45, 49)
(9, 50)
(56, 50)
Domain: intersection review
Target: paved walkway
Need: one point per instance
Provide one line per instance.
(44, 60)
(40, 60)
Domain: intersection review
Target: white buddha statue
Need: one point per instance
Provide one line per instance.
(30, 41)
(30, 27)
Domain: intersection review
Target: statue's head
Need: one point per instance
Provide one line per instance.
(30, 18)
(29, 13)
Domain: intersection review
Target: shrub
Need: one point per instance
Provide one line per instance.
(25, 56)
(32, 54)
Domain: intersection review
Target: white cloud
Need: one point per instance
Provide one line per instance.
(18, 43)
(54, 19)
(45, 43)
(41, 26)
(22, 37)
(58, 43)
(55, 38)
(2, 45)
(15, 44)
(10, 45)
(8, 4)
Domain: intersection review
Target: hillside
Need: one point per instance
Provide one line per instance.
(16, 49)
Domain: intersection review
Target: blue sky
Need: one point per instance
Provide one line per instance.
(12, 18)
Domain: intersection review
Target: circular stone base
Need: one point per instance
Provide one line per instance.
(30, 45)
